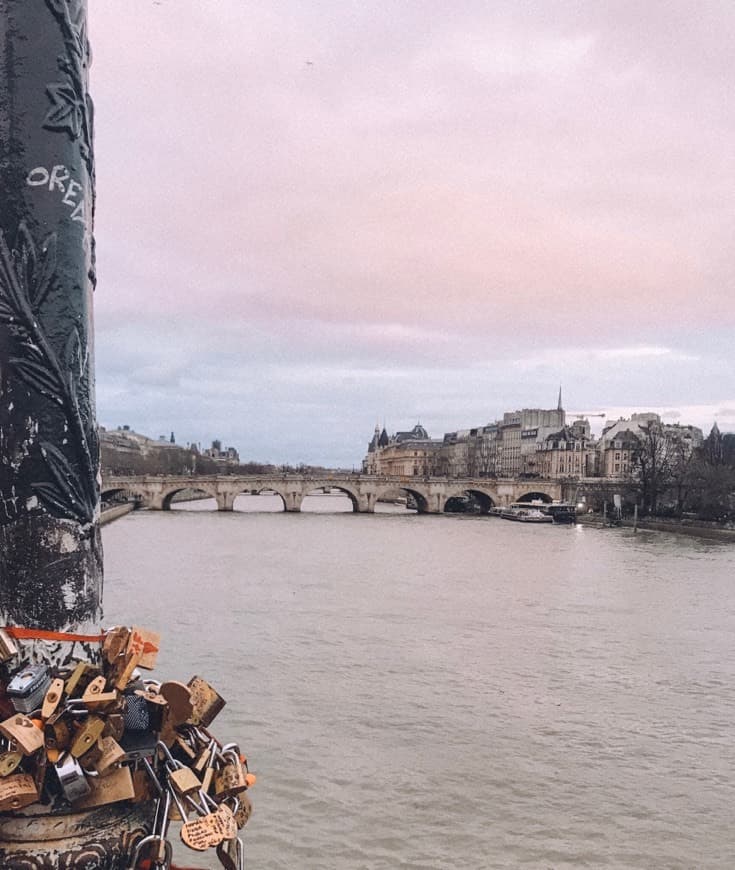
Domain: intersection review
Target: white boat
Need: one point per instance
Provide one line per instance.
(525, 515)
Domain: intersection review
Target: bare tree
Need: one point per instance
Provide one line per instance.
(652, 465)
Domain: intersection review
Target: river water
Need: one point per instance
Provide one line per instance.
(450, 691)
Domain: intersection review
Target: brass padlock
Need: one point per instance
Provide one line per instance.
(79, 679)
(58, 735)
(144, 644)
(111, 753)
(17, 791)
(53, 697)
(206, 701)
(9, 761)
(39, 774)
(114, 726)
(115, 643)
(8, 647)
(21, 729)
(143, 788)
(87, 736)
(243, 811)
(184, 780)
(116, 786)
(230, 780)
(128, 665)
(182, 748)
(178, 697)
(95, 695)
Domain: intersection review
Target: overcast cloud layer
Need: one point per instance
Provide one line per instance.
(313, 216)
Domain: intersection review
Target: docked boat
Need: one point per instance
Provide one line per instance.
(525, 515)
(562, 513)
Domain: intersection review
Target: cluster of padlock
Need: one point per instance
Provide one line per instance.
(93, 735)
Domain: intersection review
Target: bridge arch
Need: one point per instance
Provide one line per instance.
(168, 494)
(259, 488)
(420, 498)
(535, 495)
(329, 485)
(485, 499)
(138, 495)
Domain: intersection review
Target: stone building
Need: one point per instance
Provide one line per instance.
(570, 452)
(519, 435)
(469, 452)
(406, 454)
(220, 454)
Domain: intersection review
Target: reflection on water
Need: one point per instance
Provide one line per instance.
(450, 692)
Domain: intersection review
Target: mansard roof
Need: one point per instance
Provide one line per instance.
(418, 433)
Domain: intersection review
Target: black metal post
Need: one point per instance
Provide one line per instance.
(50, 550)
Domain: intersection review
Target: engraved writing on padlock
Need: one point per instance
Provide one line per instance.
(206, 701)
(17, 791)
(72, 780)
(21, 729)
(209, 830)
(28, 687)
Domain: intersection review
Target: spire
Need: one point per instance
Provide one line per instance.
(558, 406)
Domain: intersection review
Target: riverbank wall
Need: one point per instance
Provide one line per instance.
(115, 512)
(691, 528)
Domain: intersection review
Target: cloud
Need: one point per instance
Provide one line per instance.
(592, 355)
(445, 212)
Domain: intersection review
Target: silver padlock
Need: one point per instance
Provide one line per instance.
(71, 778)
(28, 687)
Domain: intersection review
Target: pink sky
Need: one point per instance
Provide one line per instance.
(319, 215)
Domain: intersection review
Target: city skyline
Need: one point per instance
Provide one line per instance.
(310, 219)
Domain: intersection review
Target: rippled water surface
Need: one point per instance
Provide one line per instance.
(450, 692)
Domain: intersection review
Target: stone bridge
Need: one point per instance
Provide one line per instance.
(431, 494)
